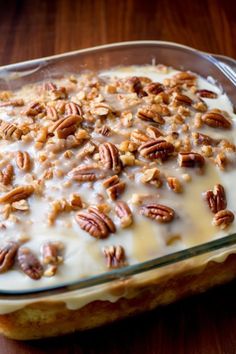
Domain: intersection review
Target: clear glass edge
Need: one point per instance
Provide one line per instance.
(152, 264)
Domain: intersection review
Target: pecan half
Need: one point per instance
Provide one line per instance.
(111, 181)
(216, 199)
(34, 108)
(154, 88)
(138, 137)
(124, 214)
(17, 193)
(72, 108)
(15, 103)
(156, 149)
(206, 94)
(174, 184)
(50, 253)
(29, 263)
(23, 161)
(148, 114)
(96, 223)
(65, 126)
(51, 113)
(154, 132)
(158, 212)
(185, 77)
(109, 156)
(223, 218)
(190, 159)
(180, 99)
(7, 255)
(9, 131)
(7, 175)
(216, 120)
(105, 130)
(86, 173)
(115, 256)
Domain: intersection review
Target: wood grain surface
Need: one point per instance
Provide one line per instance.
(204, 324)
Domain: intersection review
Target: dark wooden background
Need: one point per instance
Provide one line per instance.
(205, 324)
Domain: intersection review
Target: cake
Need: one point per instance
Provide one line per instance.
(103, 170)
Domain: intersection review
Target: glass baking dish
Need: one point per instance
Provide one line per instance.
(178, 267)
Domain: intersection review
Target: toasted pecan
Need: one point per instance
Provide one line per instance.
(160, 213)
(223, 218)
(29, 263)
(17, 193)
(216, 198)
(156, 149)
(23, 161)
(115, 256)
(7, 255)
(124, 213)
(96, 223)
(109, 155)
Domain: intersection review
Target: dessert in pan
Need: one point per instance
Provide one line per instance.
(100, 170)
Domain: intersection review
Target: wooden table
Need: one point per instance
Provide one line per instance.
(205, 324)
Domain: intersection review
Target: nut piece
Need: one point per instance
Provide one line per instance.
(65, 126)
(160, 213)
(96, 223)
(17, 193)
(9, 131)
(86, 173)
(206, 94)
(203, 139)
(115, 256)
(216, 120)
(7, 255)
(174, 184)
(23, 161)
(75, 202)
(134, 85)
(216, 199)
(50, 252)
(29, 263)
(156, 149)
(190, 159)
(223, 218)
(109, 156)
(114, 187)
(148, 114)
(7, 175)
(115, 191)
(124, 213)
(152, 176)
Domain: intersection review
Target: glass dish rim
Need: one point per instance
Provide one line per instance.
(139, 268)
